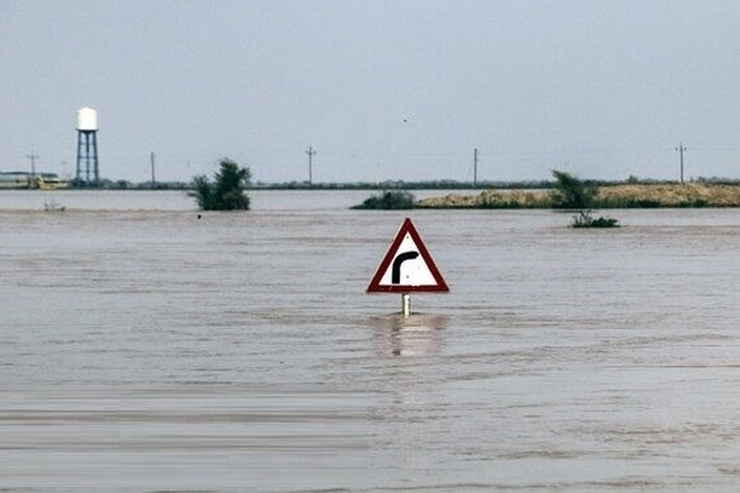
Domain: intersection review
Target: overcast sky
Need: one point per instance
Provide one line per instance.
(397, 89)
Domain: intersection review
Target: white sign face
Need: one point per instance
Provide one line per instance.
(408, 267)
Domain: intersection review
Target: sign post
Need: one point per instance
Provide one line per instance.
(407, 267)
(406, 304)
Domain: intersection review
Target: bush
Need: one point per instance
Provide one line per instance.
(226, 193)
(585, 220)
(393, 199)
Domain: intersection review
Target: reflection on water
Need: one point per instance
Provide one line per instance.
(143, 349)
(415, 335)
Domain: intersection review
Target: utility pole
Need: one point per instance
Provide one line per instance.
(311, 153)
(475, 167)
(33, 157)
(681, 149)
(151, 161)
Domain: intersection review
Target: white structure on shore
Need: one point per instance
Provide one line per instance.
(87, 147)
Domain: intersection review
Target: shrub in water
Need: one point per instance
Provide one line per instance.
(389, 199)
(226, 193)
(585, 220)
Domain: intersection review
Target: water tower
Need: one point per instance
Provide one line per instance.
(87, 146)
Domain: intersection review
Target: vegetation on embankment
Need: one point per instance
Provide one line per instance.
(622, 196)
(388, 199)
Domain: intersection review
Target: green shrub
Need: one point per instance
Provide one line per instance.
(644, 204)
(227, 192)
(585, 220)
(389, 199)
(698, 203)
(500, 204)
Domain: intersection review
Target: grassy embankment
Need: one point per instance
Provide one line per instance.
(607, 197)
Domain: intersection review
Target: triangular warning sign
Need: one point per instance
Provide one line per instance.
(407, 266)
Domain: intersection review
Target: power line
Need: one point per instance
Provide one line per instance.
(33, 156)
(681, 149)
(311, 153)
(475, 167)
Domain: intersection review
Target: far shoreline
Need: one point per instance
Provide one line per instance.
(622, 196)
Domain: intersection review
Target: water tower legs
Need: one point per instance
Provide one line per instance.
(87, 153)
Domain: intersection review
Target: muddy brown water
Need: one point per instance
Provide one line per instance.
(144, 349)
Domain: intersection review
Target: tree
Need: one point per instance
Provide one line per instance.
(572, 193)
(227, 192)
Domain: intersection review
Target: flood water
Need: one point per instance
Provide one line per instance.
(145, 349)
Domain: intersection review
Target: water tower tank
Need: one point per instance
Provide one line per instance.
(87, 120)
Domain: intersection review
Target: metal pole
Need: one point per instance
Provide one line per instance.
(78, 176)
(406, 304)
(151, 160)
(95, 157)
(311, 154)
(32, 157)
(681, 148)
(475, 167)
(87, 157)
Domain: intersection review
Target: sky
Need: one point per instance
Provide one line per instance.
(380, 89)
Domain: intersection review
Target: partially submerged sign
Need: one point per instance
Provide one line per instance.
(407, 266)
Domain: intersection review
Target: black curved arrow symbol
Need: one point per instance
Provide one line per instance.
(396, 272)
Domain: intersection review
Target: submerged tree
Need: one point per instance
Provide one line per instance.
(572, 193)
(584, 219)
(227, 192)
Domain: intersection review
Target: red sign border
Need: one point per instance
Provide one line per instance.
(407, 227)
